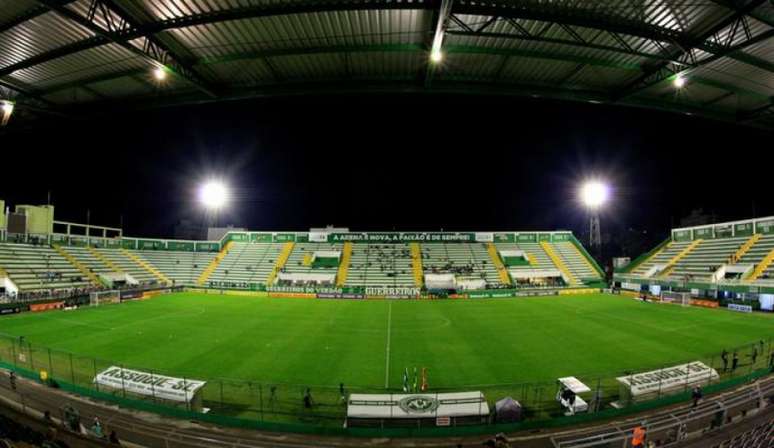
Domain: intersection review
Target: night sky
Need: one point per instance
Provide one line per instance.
(395, 162)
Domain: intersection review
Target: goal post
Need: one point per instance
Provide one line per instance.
(681, 298)
(104, 297)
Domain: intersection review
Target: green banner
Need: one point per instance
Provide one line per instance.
(397, 237)
(183, 246)
(151, 245)
(238, 236)
(743, 229)
(79, 241)
(724, 231)
(765, 226)
(260, 237)
(284, 237)
(504, 237)
(207, 247)
(128, 244)
(703, 234)
(681, 235)
(526, 238)
(561, 237)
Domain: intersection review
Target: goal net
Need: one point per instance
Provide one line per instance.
(682, 298)
(104, 297)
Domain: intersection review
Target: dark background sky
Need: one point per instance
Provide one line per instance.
(395, 162)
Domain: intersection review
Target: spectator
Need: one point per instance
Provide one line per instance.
(638, 437)
(696, 395)
(308, 402)
(96, 428)
(734, 361)
(113, 439)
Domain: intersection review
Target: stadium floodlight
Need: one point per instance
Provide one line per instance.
(679, 81)
(213, 195)
(160, 73)
(594, 194)
(7, 111)
(436, 56)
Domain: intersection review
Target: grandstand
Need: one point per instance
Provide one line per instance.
(380, 265)
(331, 258)
(246, 263)
(469, 261)
(122, 262)
(182, 268)
(39, 268)
(735, 256)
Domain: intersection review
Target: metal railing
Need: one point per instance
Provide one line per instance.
(244, 402)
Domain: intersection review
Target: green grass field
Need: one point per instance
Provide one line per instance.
(464, 344)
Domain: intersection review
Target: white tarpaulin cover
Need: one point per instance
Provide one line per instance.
(670, 378)
(513, 254)
(471, 284)
(534, 273)
(440, 281)
(327, 254)
(458, 404)
(112, 277)
(150, 384)
(306, 277)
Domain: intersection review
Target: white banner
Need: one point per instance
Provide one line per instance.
(420, 405)
(483, 237)
(318, 237)
(143, 383)
(670, 378)
(741, 308)
(397, 291)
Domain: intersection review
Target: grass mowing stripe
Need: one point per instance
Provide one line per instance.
(387, 354)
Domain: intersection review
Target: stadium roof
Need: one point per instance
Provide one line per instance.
(82, 57)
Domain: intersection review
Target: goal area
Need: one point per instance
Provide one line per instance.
(105, 297)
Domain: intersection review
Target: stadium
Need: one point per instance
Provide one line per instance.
(559, 228)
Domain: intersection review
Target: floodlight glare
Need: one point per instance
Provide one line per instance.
(436, 56)
(213, 195)
(679, 81)
(160, 74)
(594, 194)
(7, 111)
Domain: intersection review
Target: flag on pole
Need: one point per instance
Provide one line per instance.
(415, 380)
(424, 379)
(405, 380)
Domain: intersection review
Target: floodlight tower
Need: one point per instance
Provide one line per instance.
(594, 194)
(214, 196)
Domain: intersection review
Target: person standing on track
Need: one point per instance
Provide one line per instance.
(696, 396)
(724, 357)
(638, 437)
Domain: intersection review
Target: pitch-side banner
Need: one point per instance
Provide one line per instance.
(669, 378)
(152, 385)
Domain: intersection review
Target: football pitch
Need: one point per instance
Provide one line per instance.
(464, 344)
